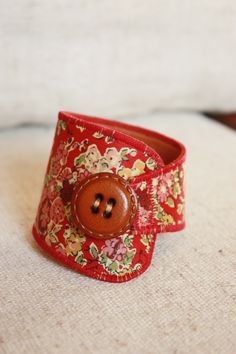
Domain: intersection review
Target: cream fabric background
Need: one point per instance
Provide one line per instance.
(115, 57)
(184, 303)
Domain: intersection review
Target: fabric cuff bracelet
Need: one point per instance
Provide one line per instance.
(109, 189)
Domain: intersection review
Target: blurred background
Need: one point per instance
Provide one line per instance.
(115, 58)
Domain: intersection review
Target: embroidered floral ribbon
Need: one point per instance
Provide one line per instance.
(152, 163)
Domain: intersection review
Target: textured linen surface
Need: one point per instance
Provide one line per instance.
(184, 303)
(115, 57)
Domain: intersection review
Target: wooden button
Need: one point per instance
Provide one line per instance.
(103, 205)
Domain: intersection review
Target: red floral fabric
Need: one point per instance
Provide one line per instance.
(83, 146)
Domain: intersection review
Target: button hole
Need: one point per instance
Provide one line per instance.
(111, 201)
(95, 210)
(107, 215)
(99, 196)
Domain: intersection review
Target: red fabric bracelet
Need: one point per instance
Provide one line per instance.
(109, 189)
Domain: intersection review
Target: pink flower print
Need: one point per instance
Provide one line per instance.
(121, 251)
(162, 191)
(57, 211)
(61, 154)
(113, 157)
(114, 249)
(110, 246)
(144, 217)
(59, 248)
(51, 190)
(83, 175)
(65, 174)
(168, 179)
